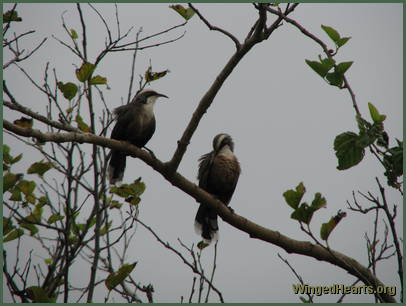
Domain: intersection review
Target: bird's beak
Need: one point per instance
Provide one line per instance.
(162, 95)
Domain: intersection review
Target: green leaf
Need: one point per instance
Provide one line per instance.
(129, 190)
(10, 16)
(82, 125)
(39, 295)
(328, 62)
(73, 239)
(98, 80)
(303, 213)
(293, 197)
(186, 13)
(78, 228)
(318, 201)
(363, 125)
(320, 68)
(335, 78)
(15, 195)
(9, 180)
(27, 187)
(31, 227)
(375, 115)
(37, 213)
(73, 34)
(365, 139)
(18, 232)
(54, 218)
(48, 261)
(332, 33)
(342, 41)
(343, 67)
(85, 71)
(16, 159)
(69, 89)
(40, 168)
(327, 228)
(201, 245)
(43, 201)
(119, 276)
(7, 158)
(347, 151)
(7, 225)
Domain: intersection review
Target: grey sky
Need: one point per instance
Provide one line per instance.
(283, 119)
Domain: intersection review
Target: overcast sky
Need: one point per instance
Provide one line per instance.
(283, 118)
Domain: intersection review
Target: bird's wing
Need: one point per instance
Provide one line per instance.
(205, 163)
(124, 116)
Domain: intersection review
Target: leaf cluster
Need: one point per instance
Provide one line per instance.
(303, 212)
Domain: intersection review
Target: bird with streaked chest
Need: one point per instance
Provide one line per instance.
(218, 174)
(135, 123)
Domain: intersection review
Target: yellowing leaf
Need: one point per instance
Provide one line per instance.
(85, 71)
(98, 80)
(55, 218)
(40, 168)
(73, 34)
(82, 125)
(27, 187)
(153, 76)
(327, 228)
(375, 115)
(186, 13)
(118, 277)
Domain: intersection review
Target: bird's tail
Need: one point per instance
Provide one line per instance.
(116, 167)
(206, 223)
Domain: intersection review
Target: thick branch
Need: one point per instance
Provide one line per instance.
(252, 229)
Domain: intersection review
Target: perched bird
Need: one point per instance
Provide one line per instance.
(218, 175)
(135, 124)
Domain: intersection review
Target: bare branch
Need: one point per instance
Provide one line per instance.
(214, 28)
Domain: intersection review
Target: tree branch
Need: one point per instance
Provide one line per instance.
(214, 28)
(252, 229)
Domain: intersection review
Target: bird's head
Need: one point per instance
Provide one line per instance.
(147, 96)
(222, 140)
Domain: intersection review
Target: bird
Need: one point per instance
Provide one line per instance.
(135, 123)
(218, 174)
